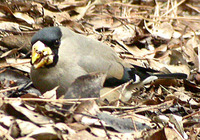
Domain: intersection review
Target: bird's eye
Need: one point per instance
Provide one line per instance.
(56, 43)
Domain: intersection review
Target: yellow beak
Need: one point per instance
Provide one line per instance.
(41, 55)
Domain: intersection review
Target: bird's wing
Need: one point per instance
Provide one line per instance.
(92, 55)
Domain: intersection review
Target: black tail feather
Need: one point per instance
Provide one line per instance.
(144, 75)
(171, 76)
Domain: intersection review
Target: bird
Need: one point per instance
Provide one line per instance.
(59, 56)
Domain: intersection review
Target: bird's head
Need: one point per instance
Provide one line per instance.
(45, 45)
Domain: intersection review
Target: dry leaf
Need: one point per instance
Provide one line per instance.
(110, 98)
(10, 26)
(46, 132)
(24, 17)
(88, 108)
(17, 110)
(172, 68)
(51, 94)
(123, 125)
(163, 30)
(20, 42)
(23, 125)
(86, 86)
(126, 34)
(21, 64)
(190, 53)
(81, 135)
(168, 42)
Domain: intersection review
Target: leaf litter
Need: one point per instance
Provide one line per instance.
(162, 35)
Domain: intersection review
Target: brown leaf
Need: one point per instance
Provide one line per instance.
(23, 125)
(191, 55)
(21, 64)
(17, 110)
(123, 125)
(157, 135)
(51, 94)
(88, 108)
(5, 9)
(86, 86)
(109, 98)
(10, 26)
(21, 42)
(163, 30)
(8, 53)
(171, 134)
(83, 135)
(24, 17)
(57, 17)
(127, 34)
(46, 132)
(171, 68)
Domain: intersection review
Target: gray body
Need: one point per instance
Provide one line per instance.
(78, 55)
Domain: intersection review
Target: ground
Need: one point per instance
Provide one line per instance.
(161, 35)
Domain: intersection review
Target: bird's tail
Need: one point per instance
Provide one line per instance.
(171, 76)
(146, 75)
(153, 77)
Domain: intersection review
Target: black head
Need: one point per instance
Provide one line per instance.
(51, 37)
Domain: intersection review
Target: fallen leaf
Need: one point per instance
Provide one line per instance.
(191, 55)
(86, 86)
(163, 30)
(88, 108)
(23, 125)
(46, 132)
(10, 27)
(20, 42)
(51, 94)
(123, 125)
(24, 17)
(36, 118)
(171, 68)
(83, 135)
